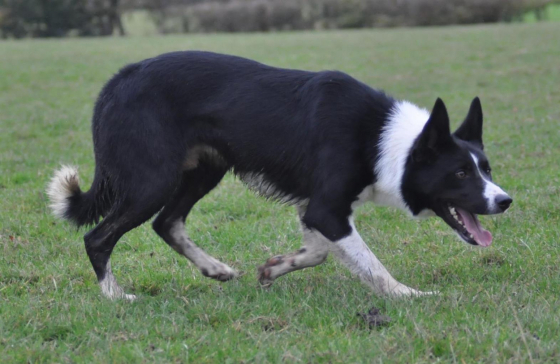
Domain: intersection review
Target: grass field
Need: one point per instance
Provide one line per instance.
(499, 304)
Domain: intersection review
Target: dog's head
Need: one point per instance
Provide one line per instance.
(449, 174)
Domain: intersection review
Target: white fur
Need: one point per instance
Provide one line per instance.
(405, 124)
(491, 190)
(63, 185)
(258, 183)
(314, 252)
(316, 249)
(353, 252)
(186, 247)
(110, 288)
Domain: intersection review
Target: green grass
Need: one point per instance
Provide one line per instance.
(498, 304)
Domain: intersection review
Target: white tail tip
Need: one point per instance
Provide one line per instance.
(64, 184)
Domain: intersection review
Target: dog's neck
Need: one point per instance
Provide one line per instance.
(404, 124)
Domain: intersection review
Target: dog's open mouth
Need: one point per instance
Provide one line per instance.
(466, 225)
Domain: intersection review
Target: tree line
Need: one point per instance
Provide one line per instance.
(60, 18)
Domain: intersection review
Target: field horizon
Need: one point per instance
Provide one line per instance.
(496, 305)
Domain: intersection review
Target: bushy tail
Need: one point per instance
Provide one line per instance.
(69, 202)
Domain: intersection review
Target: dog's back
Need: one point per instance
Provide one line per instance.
(257, 118)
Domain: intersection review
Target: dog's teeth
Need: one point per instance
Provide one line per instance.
(453, 212)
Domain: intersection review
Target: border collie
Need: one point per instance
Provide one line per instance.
(166, 130)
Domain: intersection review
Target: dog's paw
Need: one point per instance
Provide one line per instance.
(120, 295)
(130, 297)
(265, 274)
(403, 291)
(218, 271)
(430, 293)
(422, 293)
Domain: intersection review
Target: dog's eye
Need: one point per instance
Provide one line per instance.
(488, 170)
(461, 174)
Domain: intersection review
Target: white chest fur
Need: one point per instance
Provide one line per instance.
(405, 123)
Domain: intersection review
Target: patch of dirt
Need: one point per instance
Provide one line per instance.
(270, 323)
(493, 259)
(374, 319)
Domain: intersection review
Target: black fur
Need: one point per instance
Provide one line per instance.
(314, 134)
(167, 129)
(436, 155)
(471, 128)
(86, 208)
(256, 116)
(440, 171)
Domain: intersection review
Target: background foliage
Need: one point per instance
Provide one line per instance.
(58, 18)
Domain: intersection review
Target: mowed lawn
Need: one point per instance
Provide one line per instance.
(500, 304)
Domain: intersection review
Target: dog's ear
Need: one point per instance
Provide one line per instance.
(471, 129)
(434, 136)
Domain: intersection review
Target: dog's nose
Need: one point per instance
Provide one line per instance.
(503, 201)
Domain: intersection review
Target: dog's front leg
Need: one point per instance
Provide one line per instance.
(337, 227)
(353, 252)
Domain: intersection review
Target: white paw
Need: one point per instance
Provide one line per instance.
(130, 297)
(400, 290)
(112, 290)
(218, 271)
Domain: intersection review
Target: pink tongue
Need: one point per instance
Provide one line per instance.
(481, 236)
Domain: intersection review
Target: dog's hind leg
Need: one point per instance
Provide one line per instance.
(102, 239)
(140, 193)
(170, 223)
(314, 252)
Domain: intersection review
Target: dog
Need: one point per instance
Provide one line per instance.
(167, 129)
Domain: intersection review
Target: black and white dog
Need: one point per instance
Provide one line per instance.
(167, 129)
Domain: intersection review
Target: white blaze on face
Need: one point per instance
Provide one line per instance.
(491, 190)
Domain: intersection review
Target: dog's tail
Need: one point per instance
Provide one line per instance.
(68, 202)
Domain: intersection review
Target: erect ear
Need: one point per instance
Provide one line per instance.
(471, 129)
(434, 136)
